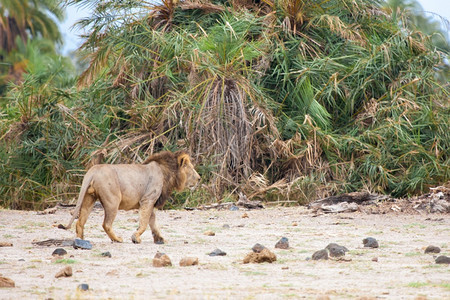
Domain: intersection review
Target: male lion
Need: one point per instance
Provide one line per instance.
(130, 186)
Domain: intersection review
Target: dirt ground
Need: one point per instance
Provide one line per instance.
(402, 270)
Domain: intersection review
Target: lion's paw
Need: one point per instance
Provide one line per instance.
(135, 239)
(158, 241)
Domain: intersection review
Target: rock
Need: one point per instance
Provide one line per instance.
(283, 243)
(65, 272)
(82, 244)
(321, 254)
(59, 252)
(335, 250)
(294, 224)
(257, 248)
(226, 226)
(106, 254)
(217, 252)
(188, 261)
(6, 282)
(375, 259)
(161, 260)
(209, 233)
(370, 242)
(83, 287)
(259, 257)
(443, 260)
(234, 208)
(244, 215)
(432, 249)
(5, 244)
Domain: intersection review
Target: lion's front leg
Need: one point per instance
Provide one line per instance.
(145, 212)
(157, 238)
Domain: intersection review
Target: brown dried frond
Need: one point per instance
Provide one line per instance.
(203, 6)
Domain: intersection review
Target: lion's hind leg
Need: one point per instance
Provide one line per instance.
(110, 215)
(85, 211)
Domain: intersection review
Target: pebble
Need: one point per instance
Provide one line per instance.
(106, 254)
(64, 272)
(82, 244)
(83, 287)
(245, 215)
(59, 252)
(209, 233)
(336, 250)
(234, 208)
(432, 249)
(370, 242)
(443, 260)
(188, 261)
(257, 248)
(321, 254)
(283, 243)
(375, 259)
(226, 226)
(5, 244)
(294, 224)
(6, 282)
(217, 252)
(161, 260)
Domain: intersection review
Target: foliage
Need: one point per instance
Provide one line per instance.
(280, 100)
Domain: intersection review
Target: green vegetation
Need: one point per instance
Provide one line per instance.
(279, 100)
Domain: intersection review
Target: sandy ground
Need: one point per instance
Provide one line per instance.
(402, 271)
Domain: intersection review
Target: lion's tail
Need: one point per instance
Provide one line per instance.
(84, 187)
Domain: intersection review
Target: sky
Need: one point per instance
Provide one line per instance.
(73, 14)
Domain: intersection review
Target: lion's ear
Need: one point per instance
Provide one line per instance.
(183, 159)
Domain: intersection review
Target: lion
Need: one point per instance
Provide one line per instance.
(133, 186)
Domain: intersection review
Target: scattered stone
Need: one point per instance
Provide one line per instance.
(283, 243)
(217, 252)
(370, 242)
(161, 260)
(321, 254)
(6, 282)
(432, 249)
(323, 297)
(443, 260)
(375, 259)
(82, 244)
(209, 233)
(106, 254)
(5, 244)
(83, 287)
(244, 215)
(241, 225)
(65, 272)
(285, 268)
(54, 242)
(234, 208)
(112, 273)
(21, 259)
(335, 250)
(257, 248)
(250, 204)
(188, 261)
(47, 211)
(59, 252)
(259, 257)
(294, 224)
(226, 226)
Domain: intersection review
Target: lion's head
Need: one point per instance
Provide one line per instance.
(191, 177)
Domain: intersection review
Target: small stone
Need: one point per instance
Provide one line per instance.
(217, 252)
(5, 244)
(226, 226)
(375, 259)
(283, 243)
(443, 260)
(65, 272)
(106, 254)
(432, 249)
(294, 224)
(370, 242)
(59, 252)
(161, 260)
(209, 233)
(285, 268)
(188, 261)
(82, 244)
(83, 287)
(321, 254)
(244, 215)
(234, 208)
(6, 282)
(21, 259)
(259, 257)
(336, 250)
(257, 248)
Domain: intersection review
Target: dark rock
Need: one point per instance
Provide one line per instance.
(370, 242)
(83, 287)
(336, 250)
(321, 254)
(283, 243)
(21, 259)
(59, 252)
(443, 260)
(217, 252)
(432, 249)
(234, 207)
(82, 244)
(257, 248)
(106, 254)
(226, 226)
